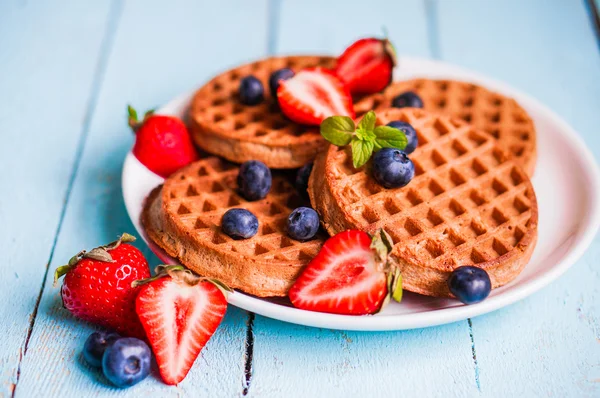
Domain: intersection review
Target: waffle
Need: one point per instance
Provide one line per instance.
(493, 113)
(223, 126)
(183, 217)
(469, 203)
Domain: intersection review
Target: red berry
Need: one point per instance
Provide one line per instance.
(100, 291)
(179, 318)
(313, 95)
(163, 143)
(366, 66)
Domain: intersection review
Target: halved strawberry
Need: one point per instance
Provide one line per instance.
(350, 275)
(313, 95)
(179, 312)
(366, 66)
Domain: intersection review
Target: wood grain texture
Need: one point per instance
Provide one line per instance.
(548, 344)
(297, 361)
(45, 82)
(158, 51)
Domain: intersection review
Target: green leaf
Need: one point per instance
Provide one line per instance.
(366, 135)
(338, 130)
(389, 137)
(367, 123)
(132, 113)
(361, 152)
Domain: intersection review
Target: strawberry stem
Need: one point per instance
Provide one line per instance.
(183, 275)
(132, 118)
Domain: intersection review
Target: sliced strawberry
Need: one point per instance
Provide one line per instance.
(179, 318)
(366, 66)
(313, 95)
(346, 277)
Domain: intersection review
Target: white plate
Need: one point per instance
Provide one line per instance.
(567, 184)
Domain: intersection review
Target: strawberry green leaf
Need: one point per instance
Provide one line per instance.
(361, 152)
(367, 123)
(389, 137)
(338, 130)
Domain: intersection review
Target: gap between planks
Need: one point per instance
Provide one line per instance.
(112, 23)
(592, 8)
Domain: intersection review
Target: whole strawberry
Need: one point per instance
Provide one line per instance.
(162, 143)
(98, 286)
(366, 66)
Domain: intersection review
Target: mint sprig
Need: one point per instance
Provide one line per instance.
(364, 138)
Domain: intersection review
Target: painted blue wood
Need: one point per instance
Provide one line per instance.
(297, 361)
(45, 82)
(548, 344)
(159, 49)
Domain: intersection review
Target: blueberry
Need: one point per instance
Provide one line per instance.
(392, 168)
(302, 178)
(408, 99)
(254, 180)
(303, 223)
(126, 362)
(409, 131)
(95, 345)
(239, 223)
(470, 284)
(276, 77)
(251, 91)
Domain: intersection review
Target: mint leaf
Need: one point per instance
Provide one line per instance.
(389, 137)
(367, 123)
(361, 152)
(365, 135)
(338, 130)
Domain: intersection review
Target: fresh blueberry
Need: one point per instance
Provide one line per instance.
(408, 99)
(254, 180)
(276, 77)
(392, 168)
(303, 223)
(95, 345)
(409, 132)
(302, 178)
(239, 223)
(251, 91)
(126, 362)
(470, 284)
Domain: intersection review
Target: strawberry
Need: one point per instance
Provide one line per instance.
(180, 312)
(162, 143)
(350, 275)
(366, 66)
(97, 285)
(312, 95)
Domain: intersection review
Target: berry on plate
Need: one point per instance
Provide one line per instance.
(302, 176)
(239, 223)
(251, 91)
(95, 345)
(254, 180)
(303, 223)
(410, 133)
(351, 275)
(162, 143)
(470, 284)
(312, 95)
(97, 285)
(366, 66)
(392, 168)
(407, 99)
(180, 312)
(126, 362)
(276, 77)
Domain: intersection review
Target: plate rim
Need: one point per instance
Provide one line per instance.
(582, 237)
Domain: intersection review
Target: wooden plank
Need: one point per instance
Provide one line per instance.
(160, 49)
(547, 344)
(45, 84)
(296, 361)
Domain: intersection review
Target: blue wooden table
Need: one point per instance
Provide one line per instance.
(67, 70)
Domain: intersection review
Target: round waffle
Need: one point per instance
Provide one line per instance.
(223, 126)
(183, 217)
(468, 204)
(493, 113)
